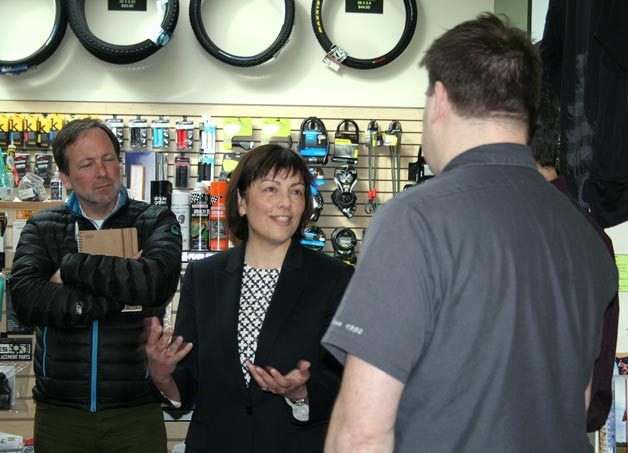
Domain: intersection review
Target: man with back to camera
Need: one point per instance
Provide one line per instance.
(92, 390)
(452, 337)
(545, 149)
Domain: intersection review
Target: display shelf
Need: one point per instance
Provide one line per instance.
(29, 205)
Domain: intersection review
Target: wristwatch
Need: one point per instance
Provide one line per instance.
(298, 401)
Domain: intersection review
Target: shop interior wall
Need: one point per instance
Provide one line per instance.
(183, 72)
(182, 79)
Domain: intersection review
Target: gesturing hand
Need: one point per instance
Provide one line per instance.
(163, 352)
(291, 385)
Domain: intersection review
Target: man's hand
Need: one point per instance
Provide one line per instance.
(291, 386)
(56, 277)
(137, 256)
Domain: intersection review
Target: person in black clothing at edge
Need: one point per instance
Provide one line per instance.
(92, 390)
(545, 145)
(246, 348)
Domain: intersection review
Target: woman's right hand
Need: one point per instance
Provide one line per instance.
(163, 352)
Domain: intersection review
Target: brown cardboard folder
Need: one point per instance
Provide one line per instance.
(120, 242)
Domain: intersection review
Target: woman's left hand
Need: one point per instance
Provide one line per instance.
(291, 385)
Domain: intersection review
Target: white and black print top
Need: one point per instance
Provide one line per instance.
(258, 286)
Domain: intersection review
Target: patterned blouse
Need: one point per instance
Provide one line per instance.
(258, 286)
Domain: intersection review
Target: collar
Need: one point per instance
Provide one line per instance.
(293, 259)
(494, 154)
(74, 206)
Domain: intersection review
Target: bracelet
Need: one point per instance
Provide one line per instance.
(298, 401)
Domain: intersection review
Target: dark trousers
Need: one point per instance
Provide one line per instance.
(61, 429)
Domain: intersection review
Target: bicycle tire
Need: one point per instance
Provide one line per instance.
(236, 60)
(120, 54)
(45, 51)
(366, 63)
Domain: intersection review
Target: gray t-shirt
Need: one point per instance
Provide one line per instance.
(481, 291)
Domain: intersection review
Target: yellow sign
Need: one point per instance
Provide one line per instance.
(622, 267)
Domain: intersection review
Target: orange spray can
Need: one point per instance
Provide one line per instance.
(218, 232)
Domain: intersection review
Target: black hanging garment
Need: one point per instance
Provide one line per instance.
(585, 53)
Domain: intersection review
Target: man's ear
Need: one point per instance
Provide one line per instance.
(441, 105)
(65, 179)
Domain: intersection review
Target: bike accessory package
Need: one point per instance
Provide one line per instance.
(21, 166)
(392, 139)
(117, 127)
(43, 167)
(5, 129)
(16, 128)
(239, 132)
(138, 132)
(207, 131)
(31, 188)
(313, 145)
(419, 171)
(160, 129)
(277, 131)
(336, 56)
(185, 134)
(181, 172)
(112, 53)
(343, 197)
(317, 203)
(313, 238)
(346, 142)
(46, 50)
(343, 240)
(318, 175)
(198, 27)
(229, 163)
(43, 131)
(31, 126)
(373, 139)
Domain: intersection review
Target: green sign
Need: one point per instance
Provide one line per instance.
(622, 267)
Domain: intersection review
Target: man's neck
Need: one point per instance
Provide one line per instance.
(98, 213)
(467, 133)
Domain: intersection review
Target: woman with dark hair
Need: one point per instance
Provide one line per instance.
(246, 350)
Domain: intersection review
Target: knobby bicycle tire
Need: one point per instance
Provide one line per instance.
(45, 51)
(235, 60)
(366, 63)
(117, 54)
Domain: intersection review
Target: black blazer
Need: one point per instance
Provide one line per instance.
(228, 416)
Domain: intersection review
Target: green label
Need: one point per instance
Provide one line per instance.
(622, 267)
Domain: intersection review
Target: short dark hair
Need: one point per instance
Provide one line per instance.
(545, 142)
(256, 164)
(490, 70)
(71, 132)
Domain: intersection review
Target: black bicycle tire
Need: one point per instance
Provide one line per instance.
(113, 53)
(366, 63)
(236, 60)
(46, 50)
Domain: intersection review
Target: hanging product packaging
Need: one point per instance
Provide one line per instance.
(138, 132)
(218, 232)
(117, 127)
(161, 132)
(185, 134)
